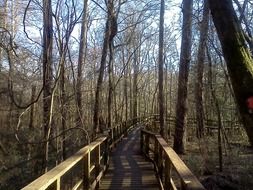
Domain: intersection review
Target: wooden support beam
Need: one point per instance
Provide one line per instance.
(86, 172)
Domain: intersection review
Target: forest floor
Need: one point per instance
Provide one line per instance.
(202, 157)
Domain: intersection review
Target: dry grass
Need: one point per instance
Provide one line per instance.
(202, 158)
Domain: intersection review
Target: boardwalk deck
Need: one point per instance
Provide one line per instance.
(128, 168)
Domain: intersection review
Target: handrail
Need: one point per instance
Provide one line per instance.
(52, 179)
(165, 159)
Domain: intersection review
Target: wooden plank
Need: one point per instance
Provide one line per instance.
(128, 169)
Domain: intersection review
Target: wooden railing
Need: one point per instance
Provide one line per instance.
(97, 150)
(84, 169)
(166, 160)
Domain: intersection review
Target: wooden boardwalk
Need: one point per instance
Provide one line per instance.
(128, 168)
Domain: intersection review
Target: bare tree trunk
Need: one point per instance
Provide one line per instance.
(3, 15)
(135, 87)
(81, 61)
(200, 69)
(125, 91)
(100, 80)
(110, 88)
(47, 70)
(110, 32)
(213, 94)
(185, 58)
(237, 55)
(63, 111)
(161, 71)
(31, 122)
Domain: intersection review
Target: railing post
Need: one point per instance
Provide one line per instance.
(147, 145)
(106, 153)
(114, 134)
(160, 162)
(121, 129)
(97, 162)
(141, 141)
(117, 129)
(167, 176)
(58, 184)
(156, 152)
(86, 177)
(125, 129)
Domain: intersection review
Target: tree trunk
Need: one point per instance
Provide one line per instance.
(47, 69)
(200, 69)
(31, 122)
(100, 80)
(185, 58)
(237, 56)
(110, 88)
(81, 59)
(110, 32)
(135, 87)
(3, 16)
(217, 106)
(63, 111)
(161, 71)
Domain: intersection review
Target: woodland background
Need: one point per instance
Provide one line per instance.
(71, 69)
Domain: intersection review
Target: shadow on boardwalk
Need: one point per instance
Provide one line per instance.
(128, 168)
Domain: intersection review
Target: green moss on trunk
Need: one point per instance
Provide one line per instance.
(237, 56)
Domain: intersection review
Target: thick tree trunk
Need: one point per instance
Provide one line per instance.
(185, 58)
(200, 69)
(237, 56)
(161, 71)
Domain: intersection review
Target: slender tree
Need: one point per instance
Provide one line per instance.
(200, 69)
(81, 60)
(185, 58)
(110, 32)
(161, 70)
(47, 69)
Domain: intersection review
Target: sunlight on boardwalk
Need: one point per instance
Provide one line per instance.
(128, 168)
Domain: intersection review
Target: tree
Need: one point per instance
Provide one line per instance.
(47, 70)
(185, 58)
(237, 56)
(200, 69)
(161, 71)
(81, 58)
(109, 33)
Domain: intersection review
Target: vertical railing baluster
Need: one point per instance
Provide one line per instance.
(97, 162)
(167, 174)
(160, 162)
(147, 145)
(86, 177)
(156, 152)
(141, 141)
